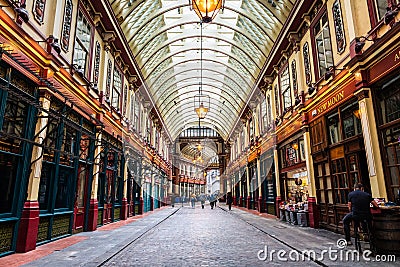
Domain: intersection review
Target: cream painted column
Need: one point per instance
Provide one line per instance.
(37, 151)
(277, 176)
(309, 163)
(372, 150)
(93, 206)
(96, 167)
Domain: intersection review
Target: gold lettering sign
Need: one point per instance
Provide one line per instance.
(397, 56)
(331, 102)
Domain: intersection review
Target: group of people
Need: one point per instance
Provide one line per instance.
(193, 198)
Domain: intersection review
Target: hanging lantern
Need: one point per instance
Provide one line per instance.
(201, 105)
(207, 10)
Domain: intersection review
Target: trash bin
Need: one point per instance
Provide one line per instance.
(302, 218)
(293, 217)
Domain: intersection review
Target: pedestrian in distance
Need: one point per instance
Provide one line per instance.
(212, 202)
(358, 203)
(229, 200)
(193, 200)
(203, 201)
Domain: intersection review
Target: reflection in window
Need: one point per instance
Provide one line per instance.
(62, 198)
(381, 8)
(333, 128)
(116, 89)
(323, 43)
(8, 169)
(82, 42)
(81, 185)
(44, 186)
(285, 89)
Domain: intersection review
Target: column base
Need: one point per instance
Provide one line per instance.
(151, 203)
(277, 202)
(313, 213)
(124, 209)
(28, 227)
(93, 215)
(141, 206)
(260, 205)
(248, 199)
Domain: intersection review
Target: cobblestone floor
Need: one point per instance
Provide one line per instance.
(200, 237)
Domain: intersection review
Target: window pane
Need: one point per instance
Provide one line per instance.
(8, 170)
(63, 199)
(82, 42)
(44, 186)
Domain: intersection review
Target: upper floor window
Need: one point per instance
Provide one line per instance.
(116, 89)
(269, 111)
(251, 129)
(242, 141)
(323, 44)
(264, 116)
(82, 43)
(380, 8)
(285, 89)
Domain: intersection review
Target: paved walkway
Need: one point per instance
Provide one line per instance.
(194, 237)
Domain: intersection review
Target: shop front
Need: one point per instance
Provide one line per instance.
(337, 148)
(268, 182)
(294, 184)
(110, 181)
(18, 97)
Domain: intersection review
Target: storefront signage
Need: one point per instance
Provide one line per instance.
(385, 65)
(300, 174)
(329, 103)
(289, 129)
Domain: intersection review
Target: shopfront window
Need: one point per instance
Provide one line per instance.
(293, 153)
(389, 112)
(333, 129)
(80, 190)
(8, 170)
(44, 186)
(64, 183)
(340, 181)
(323, 44)
(351, 123)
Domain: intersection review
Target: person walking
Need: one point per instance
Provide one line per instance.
(212, 201)
(229, 200)
(193, 200)
(358, 203)
(202, 200)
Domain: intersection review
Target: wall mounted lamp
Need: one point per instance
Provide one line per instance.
(330, 71)
(311, 88)
(390, 15)
(21, 12)
(53, 42)
(360, 42)
(91, 86)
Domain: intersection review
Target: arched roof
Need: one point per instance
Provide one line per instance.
(164, 36)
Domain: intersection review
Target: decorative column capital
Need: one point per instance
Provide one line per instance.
(362, 94)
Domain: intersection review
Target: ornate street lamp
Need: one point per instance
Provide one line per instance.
(207, 10)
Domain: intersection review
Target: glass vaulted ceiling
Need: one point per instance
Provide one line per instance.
(164, 37)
